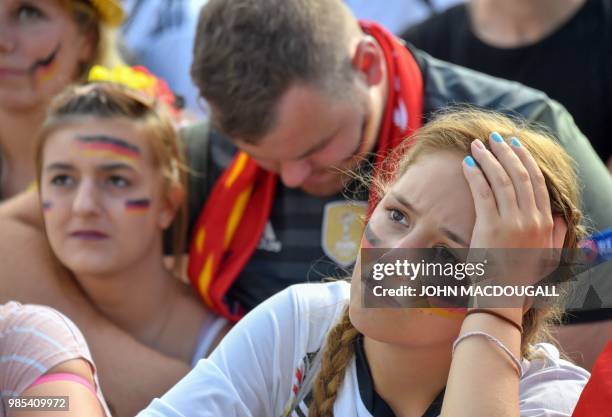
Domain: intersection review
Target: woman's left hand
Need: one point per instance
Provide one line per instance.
(513, 211)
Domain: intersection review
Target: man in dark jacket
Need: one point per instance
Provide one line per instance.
(304, 91)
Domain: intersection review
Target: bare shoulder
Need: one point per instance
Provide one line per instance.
(29, 272)
(23, 208)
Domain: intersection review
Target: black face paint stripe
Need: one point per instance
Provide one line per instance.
(109, 140)
(46, 61)
(140, 203)
(371, 237)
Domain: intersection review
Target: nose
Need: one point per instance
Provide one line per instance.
(7, 38)
(85, 202)
(294, 173)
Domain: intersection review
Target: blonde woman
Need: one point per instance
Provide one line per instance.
(111, 181)
(315, 350)
(44, 46)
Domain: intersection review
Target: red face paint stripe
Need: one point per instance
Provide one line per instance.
(46, 62)
(109, 147)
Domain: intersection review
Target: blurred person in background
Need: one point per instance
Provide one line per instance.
(561, 47)
(44, 46)
(398, 15)
(159, 34)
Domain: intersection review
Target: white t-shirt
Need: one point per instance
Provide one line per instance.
(258, 368)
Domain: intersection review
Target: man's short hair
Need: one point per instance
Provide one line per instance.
(247, 53)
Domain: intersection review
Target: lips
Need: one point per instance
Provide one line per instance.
(88, 235)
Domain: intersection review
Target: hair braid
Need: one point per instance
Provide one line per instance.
(336, 356)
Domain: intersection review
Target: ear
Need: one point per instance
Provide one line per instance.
(368, 60)
(559, 231)
(87, 46)
(171, 205)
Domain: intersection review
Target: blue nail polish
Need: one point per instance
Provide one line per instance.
(470, 161)
(515, 142)
(497, 137)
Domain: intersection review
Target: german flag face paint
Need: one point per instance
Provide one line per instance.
(46, 206)
(370, 239)
(108, 147)
(137, 206)
(45, 69)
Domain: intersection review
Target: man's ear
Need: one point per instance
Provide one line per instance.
(559, 231)
(368, 60)
(171, 205)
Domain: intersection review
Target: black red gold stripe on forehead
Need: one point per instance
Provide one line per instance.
(45, 62)
(109, 140)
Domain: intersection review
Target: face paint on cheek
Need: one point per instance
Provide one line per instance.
(370, 240)
(108, 146)
(46, 68)
(137, 206)
(448, 313)
(46, 206)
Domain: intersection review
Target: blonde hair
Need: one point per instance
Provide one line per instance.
(454, 130)
(109, 101)
(89, 22)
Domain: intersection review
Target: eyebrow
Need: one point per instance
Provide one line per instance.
(451, 235)
(60, 166)
(115, 166)
(405, 203)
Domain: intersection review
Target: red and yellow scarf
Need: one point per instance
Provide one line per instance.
(230, 225)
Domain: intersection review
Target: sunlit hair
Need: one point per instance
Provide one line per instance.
(248, 53)
(88, 20)
(114, 101)
(453, 131)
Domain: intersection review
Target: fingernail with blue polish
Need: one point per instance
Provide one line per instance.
(470, 161)
(497, 137)
(515, 142)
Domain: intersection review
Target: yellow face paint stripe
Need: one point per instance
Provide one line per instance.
(237, 169)
(48, 73)
(107, 154)
(236, 215)
(443, 312)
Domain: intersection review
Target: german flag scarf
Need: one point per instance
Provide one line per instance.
(230, 225)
